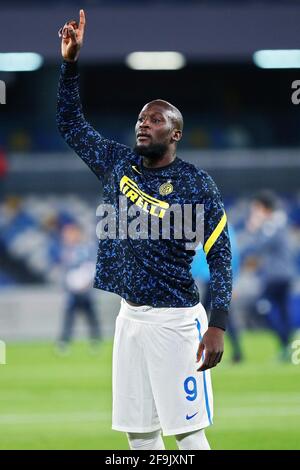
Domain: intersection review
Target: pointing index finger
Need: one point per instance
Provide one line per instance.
(81, 20)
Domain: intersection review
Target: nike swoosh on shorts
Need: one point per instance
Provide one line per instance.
(190, 417)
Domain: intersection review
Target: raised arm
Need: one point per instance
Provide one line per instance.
(98, 153)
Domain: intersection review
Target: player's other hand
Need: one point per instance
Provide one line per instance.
(212, 345)
(72, 38)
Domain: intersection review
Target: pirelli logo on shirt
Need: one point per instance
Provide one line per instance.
(147, 203)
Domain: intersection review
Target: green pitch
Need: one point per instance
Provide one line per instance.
(52, 402)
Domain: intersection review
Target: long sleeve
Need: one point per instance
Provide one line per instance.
(218, 253)
(98, 153)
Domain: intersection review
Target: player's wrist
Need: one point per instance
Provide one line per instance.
(218, 318)
(217, 329)
(70, 61)
(70, 69)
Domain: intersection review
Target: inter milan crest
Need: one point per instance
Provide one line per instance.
(166, 188)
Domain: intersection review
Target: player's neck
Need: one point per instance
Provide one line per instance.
(166, 160)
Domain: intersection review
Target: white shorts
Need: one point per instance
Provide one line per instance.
(155, 380)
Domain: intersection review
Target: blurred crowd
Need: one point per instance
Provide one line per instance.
(32, 236)
(201, 132)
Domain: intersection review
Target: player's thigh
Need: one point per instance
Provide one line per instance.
(183, 396)
(133, 404)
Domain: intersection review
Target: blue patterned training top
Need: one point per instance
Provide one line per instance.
(152, 271)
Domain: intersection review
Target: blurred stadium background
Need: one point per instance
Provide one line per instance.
(240, 125)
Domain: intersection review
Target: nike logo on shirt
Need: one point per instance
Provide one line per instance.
(135, 169)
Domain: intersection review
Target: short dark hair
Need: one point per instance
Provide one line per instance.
(176, 115)
(267, 198)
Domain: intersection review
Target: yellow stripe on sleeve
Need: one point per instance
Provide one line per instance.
(215, 235)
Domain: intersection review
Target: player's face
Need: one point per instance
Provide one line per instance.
(154, 126)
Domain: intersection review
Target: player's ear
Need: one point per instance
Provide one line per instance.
(176, 135)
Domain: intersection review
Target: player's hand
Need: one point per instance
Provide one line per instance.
(212, 345)
(72, 38)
